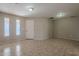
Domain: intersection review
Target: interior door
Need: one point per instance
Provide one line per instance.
(29, 29)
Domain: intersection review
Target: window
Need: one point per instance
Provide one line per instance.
(17, 27)
(6, 26)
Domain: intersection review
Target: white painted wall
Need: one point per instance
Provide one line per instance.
(37, 28)
(33, 28)
(51, 29)
(67, 28)
(41, 28)
(12, 27)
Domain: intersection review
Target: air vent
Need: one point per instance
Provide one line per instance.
(51, 18)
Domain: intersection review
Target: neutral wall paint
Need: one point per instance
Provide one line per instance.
(51, 28)
(12, 27)
(43, 28)
(67, 28)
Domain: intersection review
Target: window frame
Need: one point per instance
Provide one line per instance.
(6, 26)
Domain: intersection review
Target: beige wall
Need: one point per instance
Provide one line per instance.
(12, 27)
(67, 28)
(51, 29)
(43, 28)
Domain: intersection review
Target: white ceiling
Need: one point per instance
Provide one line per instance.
(40, 9)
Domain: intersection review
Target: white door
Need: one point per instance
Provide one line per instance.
(29, 29)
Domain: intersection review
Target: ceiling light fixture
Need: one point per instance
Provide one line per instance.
(30, 9)
(60, 14)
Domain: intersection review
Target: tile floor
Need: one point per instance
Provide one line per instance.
(53, 47)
